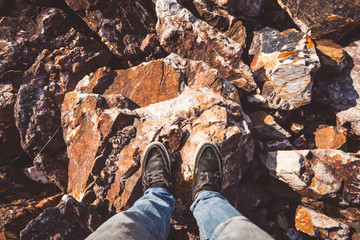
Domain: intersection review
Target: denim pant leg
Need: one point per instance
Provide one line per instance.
(218, 219)
(211, 209)
(148, 218)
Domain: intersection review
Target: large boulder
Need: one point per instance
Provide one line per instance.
(181, 32)
(329, 18)
(283, 63)
(106, 132)
(318, 173)
(157, 81)
(341, 91)
(145, 84)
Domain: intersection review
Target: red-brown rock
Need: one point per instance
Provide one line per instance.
(148, 83)
(157, 81)
(181, 32)
(114, 156)
(87, 121)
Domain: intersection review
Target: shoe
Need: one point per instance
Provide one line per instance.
(208, 169)
(156, 167)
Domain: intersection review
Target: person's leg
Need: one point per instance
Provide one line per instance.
(148, 218)
(215, 216)
(211, 209)
(218, 219)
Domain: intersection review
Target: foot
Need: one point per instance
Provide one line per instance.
(208, 169)
(156, 167)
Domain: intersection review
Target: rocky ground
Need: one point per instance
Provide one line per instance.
(85, 85)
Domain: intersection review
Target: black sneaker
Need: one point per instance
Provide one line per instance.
(208, 169)
(156, 167)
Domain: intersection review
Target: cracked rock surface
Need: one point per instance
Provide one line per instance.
(86, 85)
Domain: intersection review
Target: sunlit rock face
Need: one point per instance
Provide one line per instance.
(86, 85)
(319, 225)
(283, 63)
(106, 132)
(318, 173)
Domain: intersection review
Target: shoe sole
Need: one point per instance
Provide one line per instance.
(164, 150)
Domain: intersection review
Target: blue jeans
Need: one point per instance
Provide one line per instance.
(149, 218)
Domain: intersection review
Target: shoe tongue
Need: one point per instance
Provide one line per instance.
(156, 161)
(155, 154)
(210, 160)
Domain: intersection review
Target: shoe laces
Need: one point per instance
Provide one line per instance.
(207, 178)
(155, 177)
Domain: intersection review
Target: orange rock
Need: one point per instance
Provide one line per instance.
(146, 84)
(296, 127)
(319, 225)
(156, 81)
(303, 222)
(86, 123)
(332, 55)
(101, 143)
(329, 137)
